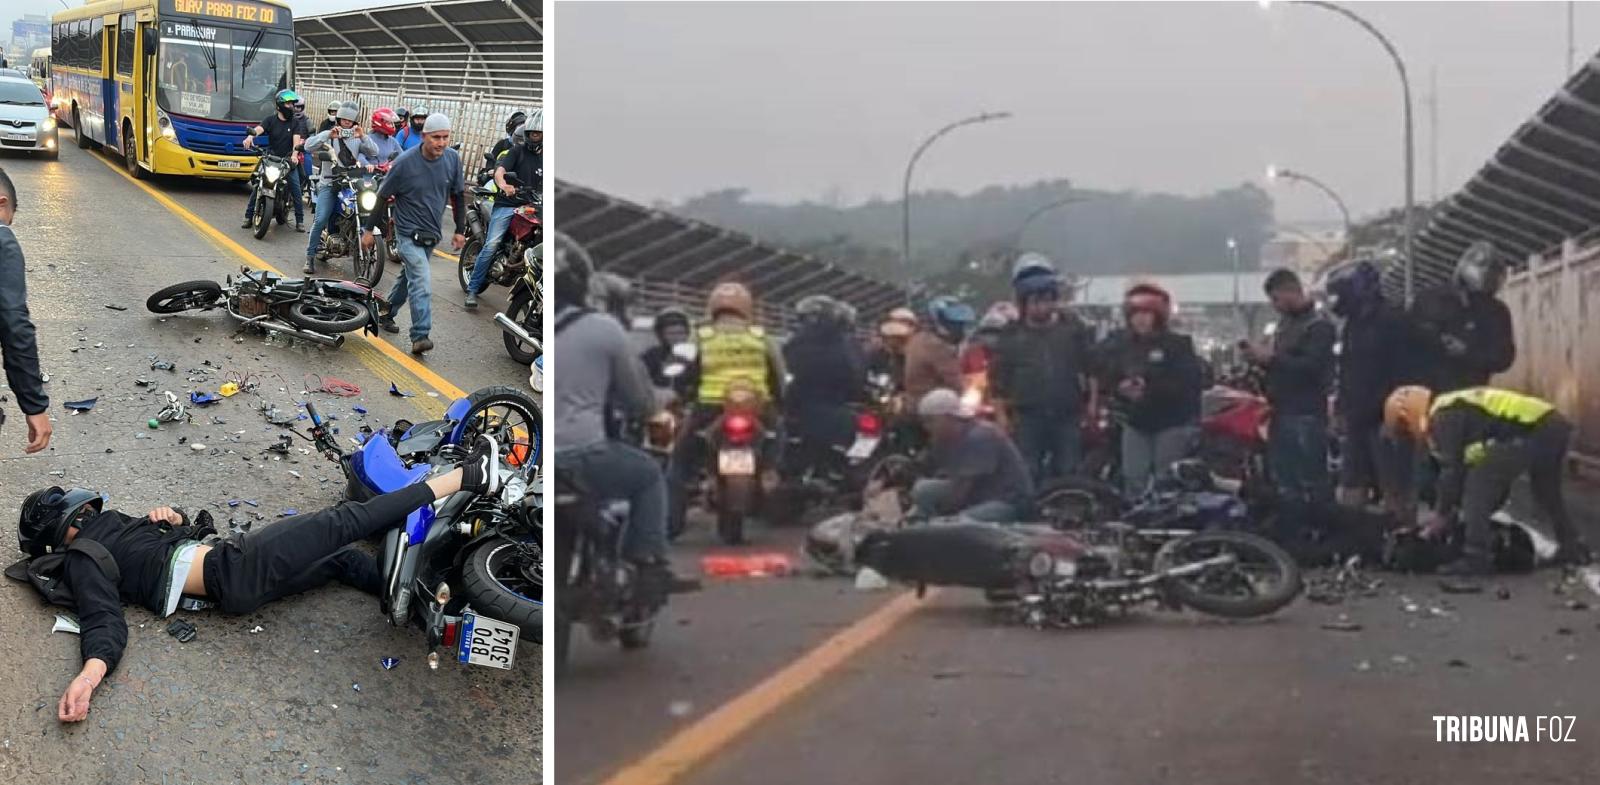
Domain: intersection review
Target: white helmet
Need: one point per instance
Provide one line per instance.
(535, 121)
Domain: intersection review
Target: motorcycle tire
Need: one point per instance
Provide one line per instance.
(282, 215)
(185, 296)
(636, 634)
(735, 495)
(465, 260)
(369, 266)
(315, 314)
(502, 395)
(263, 215)
(517, 311)
(1205, 600)
(489, 596)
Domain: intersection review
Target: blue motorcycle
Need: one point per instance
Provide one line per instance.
(489, 547)
(357, 199)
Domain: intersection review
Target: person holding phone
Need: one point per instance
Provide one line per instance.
(350, 147)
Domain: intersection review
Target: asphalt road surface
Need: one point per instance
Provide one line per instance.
(294, 693)
(951, 693)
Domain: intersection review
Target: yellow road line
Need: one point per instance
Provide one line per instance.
(452, 257)
(423, 373)
(697, 743)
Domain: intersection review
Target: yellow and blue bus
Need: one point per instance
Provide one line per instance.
(39, 70)
(171, 84)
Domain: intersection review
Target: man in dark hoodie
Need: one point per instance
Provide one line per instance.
(1155, 376)
(1299, 365)
(17, 347)
(1465, 329)
(1375, 358)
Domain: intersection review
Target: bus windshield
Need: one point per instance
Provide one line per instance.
(221, 73)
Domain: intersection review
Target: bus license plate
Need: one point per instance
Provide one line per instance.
(227, 164)
(486, 641)
(863, 448)
(738, 462)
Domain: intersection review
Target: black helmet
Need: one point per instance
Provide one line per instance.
(613, 293)
(667, 317)
(573, 271)
(515, 120)
(47, 513)
(1480, 269)
(823, 309)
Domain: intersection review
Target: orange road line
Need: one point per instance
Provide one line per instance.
(714, 732)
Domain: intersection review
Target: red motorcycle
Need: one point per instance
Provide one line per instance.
(507, 263)
(1233, 443)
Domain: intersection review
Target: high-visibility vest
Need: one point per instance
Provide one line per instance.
(729, 355)
(1502, 404)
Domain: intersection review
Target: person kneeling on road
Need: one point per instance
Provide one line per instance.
(979, 473)
(157, 560)
(1484, 439)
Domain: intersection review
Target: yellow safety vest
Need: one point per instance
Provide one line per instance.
(1504, 404)
(732, 354)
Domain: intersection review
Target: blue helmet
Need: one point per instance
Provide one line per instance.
(950, 317)
(1032, 274)
(1352, 288)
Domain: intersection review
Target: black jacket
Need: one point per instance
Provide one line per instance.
(1171, 372)
(826, 368)
(1043, 368)
(17, 345)
(143, 552)
(1300, 372)
(1377, 355)
(1482, 323)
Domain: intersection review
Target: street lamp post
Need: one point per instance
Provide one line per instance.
(1280, 173)
(1016, 237)
(905, 191)
(1238, 312)
(1405, 92)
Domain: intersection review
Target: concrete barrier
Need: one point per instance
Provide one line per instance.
(1555, 310)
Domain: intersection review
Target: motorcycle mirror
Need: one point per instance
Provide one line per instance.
(686, 351)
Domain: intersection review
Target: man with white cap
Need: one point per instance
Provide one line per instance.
(421, 180)
(977, 471)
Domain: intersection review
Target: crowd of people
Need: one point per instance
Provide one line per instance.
(415, 190)
(998, 406)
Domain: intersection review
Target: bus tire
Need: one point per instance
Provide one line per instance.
(77, 129)
(130, 158)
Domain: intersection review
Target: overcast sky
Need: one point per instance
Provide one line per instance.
(827, 100)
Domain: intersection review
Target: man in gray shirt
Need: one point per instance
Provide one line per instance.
(421, 180)
(21, 354)
(979, 473)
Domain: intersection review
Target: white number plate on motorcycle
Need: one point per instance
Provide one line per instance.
(486, 641)
(863, 448)
(227, 164)
(736, 462)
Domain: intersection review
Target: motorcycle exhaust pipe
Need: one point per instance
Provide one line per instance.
(516, 330)
(333, 341)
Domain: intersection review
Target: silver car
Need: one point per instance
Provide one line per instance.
(25, 121)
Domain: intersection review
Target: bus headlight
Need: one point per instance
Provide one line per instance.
(272, 173)
(369, 201)
(166, 125)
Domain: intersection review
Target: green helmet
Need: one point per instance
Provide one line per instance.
(288, 97)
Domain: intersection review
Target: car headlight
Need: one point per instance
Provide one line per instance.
(369, 200)
(48, 125)
(272, 173)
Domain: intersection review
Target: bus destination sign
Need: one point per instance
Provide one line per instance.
(234, 10)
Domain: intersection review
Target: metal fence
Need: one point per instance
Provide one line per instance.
(1555, 307)
(477, 122)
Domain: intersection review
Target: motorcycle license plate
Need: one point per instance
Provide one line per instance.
(486, 641)
(738, 461)
(227, 164)
(863, 448)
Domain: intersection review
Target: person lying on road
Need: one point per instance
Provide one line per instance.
(159, 559)
(978, 472)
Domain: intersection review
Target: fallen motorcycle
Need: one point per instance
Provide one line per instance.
(1052, 578)
(313, 309)
(487, 546)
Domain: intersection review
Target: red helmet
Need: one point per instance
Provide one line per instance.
(384, 120)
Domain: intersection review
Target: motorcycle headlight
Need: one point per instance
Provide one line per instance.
(369, 201)
(272, 173)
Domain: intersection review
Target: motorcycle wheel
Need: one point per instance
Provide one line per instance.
(369, 265)
(494, 593)
(637, 635)
(263, 216)
(1265, 579)
(468, 255)
(735, 495)
(518, 310)
(499, 411)
(327, 315)
(185, 296)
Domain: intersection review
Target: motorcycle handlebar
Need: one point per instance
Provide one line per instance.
(311, 410)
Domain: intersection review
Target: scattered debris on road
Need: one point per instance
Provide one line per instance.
(84, 405)
(182, 630)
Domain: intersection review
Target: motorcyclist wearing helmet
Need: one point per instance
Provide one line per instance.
(506, 142)
(349, 146)
(1041, 372)
(731, 351)
(1484, 439)
(1375, 357)
(161, 559)
(285, 132)
(887, 352)
(671, 327)
(827, 373)
(599, 374)
(411, 135)
(525, 164)
(932, 354)
(385, 124)
(1465, 330)
(1154, 377)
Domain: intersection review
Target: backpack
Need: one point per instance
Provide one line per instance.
(47, 573)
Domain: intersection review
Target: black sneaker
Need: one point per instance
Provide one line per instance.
(388, 325)
(481, 469)
(471, 302)
(299, 227)
(247, 224)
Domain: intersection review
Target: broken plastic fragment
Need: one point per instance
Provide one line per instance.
(197, 447)
(388, 663)
(233, 502)
(289, 512)
(203, 398)
(66, 622)
(163, 365)
(356, 687)
(81, 406)
(228, 390)
(359, 409)
(117, 307)
(255, 629)
(395, 391)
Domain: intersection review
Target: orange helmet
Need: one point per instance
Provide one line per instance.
(730, 296)
(1406, 411)
(899, 323)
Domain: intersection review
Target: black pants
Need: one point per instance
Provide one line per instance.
(306, 551)
(1541, 454)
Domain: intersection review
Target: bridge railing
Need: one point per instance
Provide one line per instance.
(1555, 310)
